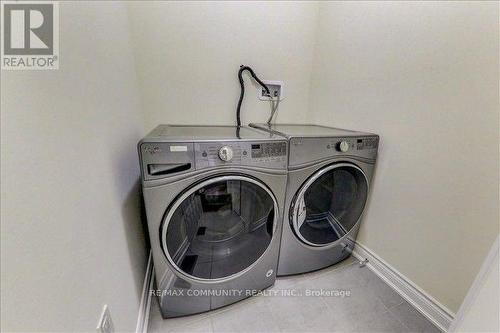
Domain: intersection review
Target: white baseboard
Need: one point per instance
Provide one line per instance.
(436, 312)
(143, 316)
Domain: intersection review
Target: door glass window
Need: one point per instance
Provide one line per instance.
(327, 208)
(221, 228)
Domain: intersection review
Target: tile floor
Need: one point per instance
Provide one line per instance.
(371, 307)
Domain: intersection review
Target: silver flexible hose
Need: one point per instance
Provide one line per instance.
(274, 107)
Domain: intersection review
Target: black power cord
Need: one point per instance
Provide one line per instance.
(242, 93)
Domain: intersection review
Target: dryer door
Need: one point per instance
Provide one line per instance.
(329, 204)
(219, 228)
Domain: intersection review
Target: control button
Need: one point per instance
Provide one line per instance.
(226, 153)
(342, 146)
(244, 152)
(204, 154)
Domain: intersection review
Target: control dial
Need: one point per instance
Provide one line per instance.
(342, 146)
(226, 153)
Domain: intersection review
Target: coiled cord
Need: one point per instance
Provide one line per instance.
(242, 91)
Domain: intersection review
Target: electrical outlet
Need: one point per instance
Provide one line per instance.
(105, 324)
(275, 88)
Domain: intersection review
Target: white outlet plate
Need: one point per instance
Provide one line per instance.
(105, 324)
(275, 87)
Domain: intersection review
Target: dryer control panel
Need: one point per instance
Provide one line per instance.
(306, 150)
(269, 155)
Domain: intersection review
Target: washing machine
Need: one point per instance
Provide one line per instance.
(214, 200)
(329, 174)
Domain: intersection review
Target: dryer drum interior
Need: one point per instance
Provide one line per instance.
(329, 204)
(220, 227)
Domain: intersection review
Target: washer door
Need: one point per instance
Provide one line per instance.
(329, 204)
(219, 228)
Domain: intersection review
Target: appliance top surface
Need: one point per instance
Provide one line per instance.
(208, 133)
(298, 130)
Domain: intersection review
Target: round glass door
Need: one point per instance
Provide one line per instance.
(219, 227)
(329, 204)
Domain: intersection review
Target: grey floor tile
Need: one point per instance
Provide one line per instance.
(384, 292)
(349, 299)
(302, 313)
(251, 315)
(196, 323)
(378, 322)
(349, 309)
(298, 312)
(371, 306)
(200, 326)
(412, 319)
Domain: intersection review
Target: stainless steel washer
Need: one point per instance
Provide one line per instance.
(329, 174)
(214, 202)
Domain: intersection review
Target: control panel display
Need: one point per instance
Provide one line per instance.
(366, 143)
(263, 150)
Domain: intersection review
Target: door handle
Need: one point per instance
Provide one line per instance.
(166, 169)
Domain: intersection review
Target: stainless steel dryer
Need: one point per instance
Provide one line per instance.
(214, 202)
(329, 173)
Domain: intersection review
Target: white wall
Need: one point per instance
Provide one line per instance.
(188, 55)
(423, 75)
(480, 310)
(71, 239)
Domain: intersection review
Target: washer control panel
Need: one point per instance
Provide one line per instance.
(270, 155)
